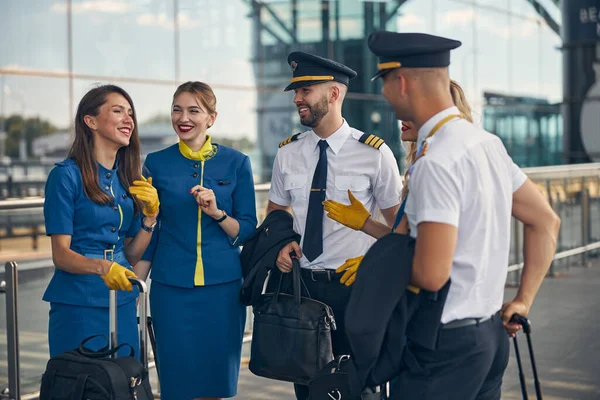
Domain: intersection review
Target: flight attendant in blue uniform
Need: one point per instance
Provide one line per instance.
(207, 211)
(94, 224)
(356, 215)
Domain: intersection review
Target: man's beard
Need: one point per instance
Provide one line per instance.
(316, 113)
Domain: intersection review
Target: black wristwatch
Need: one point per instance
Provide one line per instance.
(223, 217)
(148, 228)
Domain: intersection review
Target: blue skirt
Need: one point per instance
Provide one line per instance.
(199, 335)
(69, 325)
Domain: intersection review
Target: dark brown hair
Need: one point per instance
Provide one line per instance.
(82, 149)
(460, 100)
(202, 91)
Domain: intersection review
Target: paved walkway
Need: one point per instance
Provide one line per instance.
(566, 339)
(565, 336)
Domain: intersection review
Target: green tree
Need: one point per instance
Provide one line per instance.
(32, 128)
(14, 129)
(35, 128)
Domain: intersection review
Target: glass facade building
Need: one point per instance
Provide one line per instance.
(53, 51)
(530, 127)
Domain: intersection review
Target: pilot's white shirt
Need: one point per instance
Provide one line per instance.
(467, 179)
(371, 174)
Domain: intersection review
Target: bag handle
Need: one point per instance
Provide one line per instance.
(103, 352)
(277, 289)
(297, 284)
(296, 278)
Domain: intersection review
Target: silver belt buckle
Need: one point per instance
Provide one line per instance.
(327, 271)
(109, 254)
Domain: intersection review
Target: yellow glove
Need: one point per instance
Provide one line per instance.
(117, 277)
(353, 216)
(147, 193)
(351, 267)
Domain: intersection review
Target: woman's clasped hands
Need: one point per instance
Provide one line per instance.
(206, 200)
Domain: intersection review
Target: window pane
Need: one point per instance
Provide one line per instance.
(124, 39)
(34, 113)
(34, 35)
(309, 21)
(216, 42)
(351, 19)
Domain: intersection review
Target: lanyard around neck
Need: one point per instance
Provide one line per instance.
(424, 144)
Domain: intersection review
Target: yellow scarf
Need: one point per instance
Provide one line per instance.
(206, 152)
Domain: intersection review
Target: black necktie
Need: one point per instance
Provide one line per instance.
(313, 234)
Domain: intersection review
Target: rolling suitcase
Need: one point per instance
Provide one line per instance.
(524, 322)
(87, 374)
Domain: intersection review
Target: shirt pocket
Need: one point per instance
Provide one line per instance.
(223, 188)
(359, 185)
(295, 184)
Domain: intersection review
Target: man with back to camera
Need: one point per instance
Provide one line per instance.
(463, 189)
(327, 162)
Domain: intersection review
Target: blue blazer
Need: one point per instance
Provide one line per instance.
(189, 248)
(93, 228)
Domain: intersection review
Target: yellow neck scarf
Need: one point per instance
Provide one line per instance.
(206, 152)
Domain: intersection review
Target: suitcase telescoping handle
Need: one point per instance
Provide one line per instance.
(524, 322)
(142, 316)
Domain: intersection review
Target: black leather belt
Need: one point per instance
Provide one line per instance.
(461, 323)
(320, 274)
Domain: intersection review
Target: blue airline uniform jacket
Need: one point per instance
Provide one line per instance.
(93, 228)
(189, 248)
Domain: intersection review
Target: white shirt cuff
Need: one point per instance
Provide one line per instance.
(278, 200)
(518, 181)
(439, 216)
(388, 204)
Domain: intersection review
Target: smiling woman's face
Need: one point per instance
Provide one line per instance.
(189, 117)
(114, 122)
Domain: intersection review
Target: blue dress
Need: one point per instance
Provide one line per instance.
(79, 302)
(196, 271)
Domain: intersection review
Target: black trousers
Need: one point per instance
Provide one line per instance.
(468, 364)
(330, 291)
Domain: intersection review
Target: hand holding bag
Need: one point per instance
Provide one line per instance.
(291, 338)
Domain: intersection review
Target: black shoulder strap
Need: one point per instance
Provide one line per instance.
(79, 389)
(47, 383)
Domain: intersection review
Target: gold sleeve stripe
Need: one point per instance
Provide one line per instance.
(311, 78)
(289, 140)
(371, 140)
(413, 289)
(388, 65)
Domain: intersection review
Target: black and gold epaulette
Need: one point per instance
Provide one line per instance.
(289, 140)
(371, 140)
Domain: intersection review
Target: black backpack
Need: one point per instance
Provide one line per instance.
(84, 374)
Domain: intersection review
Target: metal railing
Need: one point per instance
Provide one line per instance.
(572, 190)
(12, 330)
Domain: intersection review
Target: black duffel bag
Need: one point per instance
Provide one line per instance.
(86, 374)
(291, 337)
